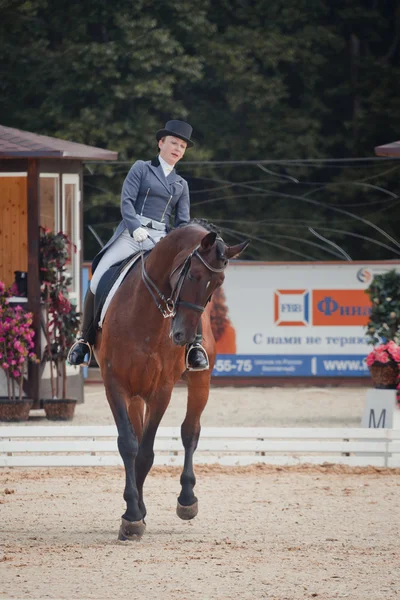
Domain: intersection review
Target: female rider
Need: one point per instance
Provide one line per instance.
(151, 191)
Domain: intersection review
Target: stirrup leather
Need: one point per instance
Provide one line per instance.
(196, 345)
(84, 363)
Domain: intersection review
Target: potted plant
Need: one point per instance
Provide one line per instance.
(383, 329)
(16, 344)
(383, 363)
(61, 320)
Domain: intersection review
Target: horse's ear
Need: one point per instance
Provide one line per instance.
(208, 240)
(233, 251)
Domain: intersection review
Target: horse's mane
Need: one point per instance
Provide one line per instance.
(203, 223)
(208, 227)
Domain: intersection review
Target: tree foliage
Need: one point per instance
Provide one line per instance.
(257, 79)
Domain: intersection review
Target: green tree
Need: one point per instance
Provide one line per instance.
(257, 79)
(99, 73)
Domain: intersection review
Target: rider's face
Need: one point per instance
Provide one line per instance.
(172, 149)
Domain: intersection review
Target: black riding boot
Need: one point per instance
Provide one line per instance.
(196, 356)
(82, 346)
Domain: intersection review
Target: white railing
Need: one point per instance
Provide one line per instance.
(45, 446)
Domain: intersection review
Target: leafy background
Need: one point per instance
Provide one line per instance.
(285, 98)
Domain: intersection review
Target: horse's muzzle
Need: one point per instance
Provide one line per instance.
(183, 328)
(179, 338)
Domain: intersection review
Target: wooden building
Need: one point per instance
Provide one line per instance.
(41, 184)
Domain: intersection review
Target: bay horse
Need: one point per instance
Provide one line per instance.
(141, 354)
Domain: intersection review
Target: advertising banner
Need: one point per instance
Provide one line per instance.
(293, 320)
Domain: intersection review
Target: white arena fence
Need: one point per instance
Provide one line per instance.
(84, 446)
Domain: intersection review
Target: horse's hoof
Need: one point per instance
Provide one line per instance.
(131, 531)
(187, 512)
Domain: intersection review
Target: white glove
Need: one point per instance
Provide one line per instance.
(140, 234)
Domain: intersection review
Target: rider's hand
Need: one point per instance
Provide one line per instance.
(140, 234)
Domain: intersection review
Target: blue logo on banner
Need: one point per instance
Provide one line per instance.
(327, 306)
(364, 275)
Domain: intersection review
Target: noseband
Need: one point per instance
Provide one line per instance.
(168, 306)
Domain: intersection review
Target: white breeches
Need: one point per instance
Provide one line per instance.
(123, 247)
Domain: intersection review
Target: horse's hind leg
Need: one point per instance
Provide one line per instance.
(198, 391)
(132, 524)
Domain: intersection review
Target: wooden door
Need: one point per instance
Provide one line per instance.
(13, 226)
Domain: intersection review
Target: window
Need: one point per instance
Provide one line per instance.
(49, 202)
(70, 226)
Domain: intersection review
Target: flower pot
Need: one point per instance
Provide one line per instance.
(59, 409)
(384, 375)
(15, 410)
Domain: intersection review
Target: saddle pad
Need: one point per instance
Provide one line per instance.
(116, 273)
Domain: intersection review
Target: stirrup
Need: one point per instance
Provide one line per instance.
(84, 363)
(191, 347)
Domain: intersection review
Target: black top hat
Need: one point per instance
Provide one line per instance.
(178, 129)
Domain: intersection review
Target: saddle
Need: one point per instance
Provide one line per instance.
(109, 283)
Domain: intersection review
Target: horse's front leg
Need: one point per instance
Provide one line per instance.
(132, 524)
(198, 391)
(155, 410)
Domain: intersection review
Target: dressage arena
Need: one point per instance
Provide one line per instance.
(280, 533)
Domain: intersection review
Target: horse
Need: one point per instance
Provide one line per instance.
(140, 350)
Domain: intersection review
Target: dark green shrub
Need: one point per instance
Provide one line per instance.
(384, 321)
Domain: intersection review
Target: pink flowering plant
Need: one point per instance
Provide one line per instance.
(383, 327)
(385, 354)
(16, 343)
(62, 320)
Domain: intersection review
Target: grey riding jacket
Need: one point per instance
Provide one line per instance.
(147, 193)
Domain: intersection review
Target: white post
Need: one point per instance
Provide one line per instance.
(381, 410)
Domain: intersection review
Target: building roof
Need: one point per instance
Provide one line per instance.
(392, 149)
(15, 143)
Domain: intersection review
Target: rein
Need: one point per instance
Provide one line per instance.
(168, 306)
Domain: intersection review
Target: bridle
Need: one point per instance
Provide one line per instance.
(168, 306)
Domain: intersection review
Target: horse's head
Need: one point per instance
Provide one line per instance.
(194, 278)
